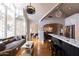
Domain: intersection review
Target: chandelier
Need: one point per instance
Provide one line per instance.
(30, 9)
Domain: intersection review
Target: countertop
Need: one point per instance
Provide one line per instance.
(74, 42)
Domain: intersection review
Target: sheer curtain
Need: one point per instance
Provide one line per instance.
(12, 21)
(2, 21)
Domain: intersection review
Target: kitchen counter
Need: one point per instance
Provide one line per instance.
(73, 42)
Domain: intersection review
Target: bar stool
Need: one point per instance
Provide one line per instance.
(51, 47)
(59, 51)
(50, 43)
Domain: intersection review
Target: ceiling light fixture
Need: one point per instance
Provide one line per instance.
(58, 13)
(30, 9)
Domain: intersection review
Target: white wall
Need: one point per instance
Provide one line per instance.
(48, 21)
(27, 22)
(73, 20)
(52, 20)
(20, 27)
(33, 28)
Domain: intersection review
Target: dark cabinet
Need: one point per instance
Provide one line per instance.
(69, 50)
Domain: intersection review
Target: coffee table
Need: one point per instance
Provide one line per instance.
(29, 48)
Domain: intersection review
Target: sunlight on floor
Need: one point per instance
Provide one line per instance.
(40, 48)
(36, 41)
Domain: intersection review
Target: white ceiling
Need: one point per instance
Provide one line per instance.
(41, 10)
(66, 9)
(70, 8)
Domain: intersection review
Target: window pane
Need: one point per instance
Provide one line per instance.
(2, 21)
(10, 23)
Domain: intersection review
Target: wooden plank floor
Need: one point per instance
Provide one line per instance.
(40, 49)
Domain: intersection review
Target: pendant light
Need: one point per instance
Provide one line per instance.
(30, 9)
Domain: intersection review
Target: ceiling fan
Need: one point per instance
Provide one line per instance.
(30, 9)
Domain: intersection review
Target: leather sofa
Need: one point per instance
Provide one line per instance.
(9, 47)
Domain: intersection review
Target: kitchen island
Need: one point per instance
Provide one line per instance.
(70, 46)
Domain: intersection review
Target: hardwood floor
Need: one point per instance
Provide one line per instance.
(40, 49)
